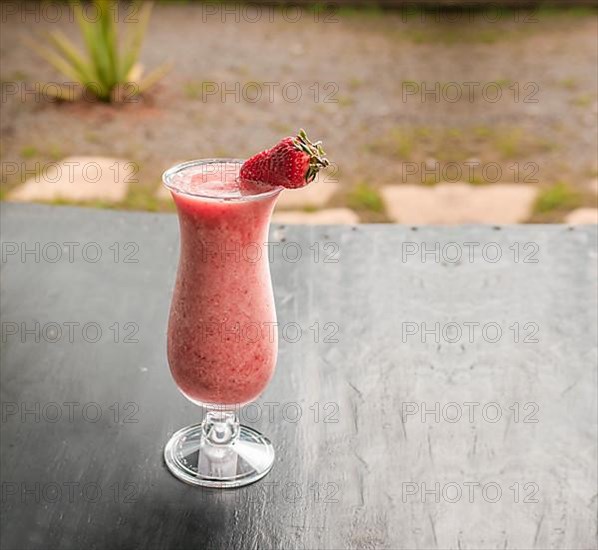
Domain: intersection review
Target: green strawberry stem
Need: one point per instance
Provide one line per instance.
(317, 158)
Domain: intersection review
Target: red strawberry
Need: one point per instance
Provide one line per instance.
(291, 163)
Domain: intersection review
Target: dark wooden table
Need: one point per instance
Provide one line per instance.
(479, 433)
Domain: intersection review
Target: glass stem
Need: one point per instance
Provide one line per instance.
(220, 427)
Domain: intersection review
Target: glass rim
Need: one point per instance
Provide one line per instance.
(169, 175)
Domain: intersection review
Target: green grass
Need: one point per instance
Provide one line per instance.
(192, 90)
(140, 197)
(51, 152)
(428, 178)
(355, 83)
(584, 100)
(422, 132)
(356, 12)
(399, 142)
(29, 152)
(508, 144)
(55, 153)
(453, 144)
(511, 142)
(559, 196)
(502, 82)
(345, 101)
(482, 131)
(365, 197)
(414, 86)
(568, 83)
(403, 143)
(195, 89)
(559, 12)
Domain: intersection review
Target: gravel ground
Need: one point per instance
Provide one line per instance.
(360, 77)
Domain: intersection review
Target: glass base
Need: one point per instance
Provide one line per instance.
(194, 457)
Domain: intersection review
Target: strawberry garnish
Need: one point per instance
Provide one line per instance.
(293, 162)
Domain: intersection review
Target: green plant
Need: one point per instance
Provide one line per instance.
(28, 152)
(482, 131)
(192, 90)
(141, 197)
(55, 152)
(401, 142)
(556, 197)
(365, 197)
(360, 12)
(355, 83)
(514, 142)
(108, 72)
(345, 101)
(508, 143)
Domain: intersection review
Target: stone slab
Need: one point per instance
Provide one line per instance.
(317, 193)
(459, 203)
(79, 179)
(582, 216)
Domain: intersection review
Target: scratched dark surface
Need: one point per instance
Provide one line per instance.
(352, 471)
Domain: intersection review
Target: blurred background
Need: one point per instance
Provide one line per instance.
(431, 112)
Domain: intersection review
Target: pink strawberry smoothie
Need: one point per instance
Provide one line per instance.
(222, 338)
